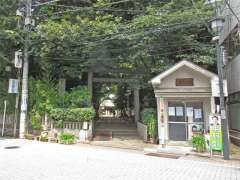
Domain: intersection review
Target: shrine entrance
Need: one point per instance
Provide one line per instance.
(112, 123)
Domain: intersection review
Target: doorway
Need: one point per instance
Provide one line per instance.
(184, 117)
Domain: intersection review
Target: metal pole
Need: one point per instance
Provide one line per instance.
(23, 115)
(224, 120)
(4, 116)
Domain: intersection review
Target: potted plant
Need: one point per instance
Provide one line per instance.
(198, 142)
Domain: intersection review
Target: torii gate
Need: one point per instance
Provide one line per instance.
(133, 82)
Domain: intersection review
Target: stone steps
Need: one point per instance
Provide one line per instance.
(115, 130)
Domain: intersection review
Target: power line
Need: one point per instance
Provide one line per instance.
(45, 3)
(72, 60)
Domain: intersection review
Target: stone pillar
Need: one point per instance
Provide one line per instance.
(90, 83)
(161, 122)
(136, 104)
(61, 86)
(213, 105)
(45, 127)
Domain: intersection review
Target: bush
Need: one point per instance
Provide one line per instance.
(149, 118)
(198, 142)
(80, 114)
(35, 121)
(78, 97)
(43, 96)
(66, 138)
(61, 115)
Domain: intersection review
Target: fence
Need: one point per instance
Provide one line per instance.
(73, 125)
(8, 124)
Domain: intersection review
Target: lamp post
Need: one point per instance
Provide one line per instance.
(217, 25)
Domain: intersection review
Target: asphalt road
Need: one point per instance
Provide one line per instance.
(32, 160)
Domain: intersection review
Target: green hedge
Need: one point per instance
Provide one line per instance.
(61, 115)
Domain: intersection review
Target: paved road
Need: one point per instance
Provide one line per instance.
(47, 161)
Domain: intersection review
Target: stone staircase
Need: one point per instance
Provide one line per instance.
(107, 130)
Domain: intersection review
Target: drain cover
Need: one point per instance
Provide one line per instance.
(12, 147)
(164, 155)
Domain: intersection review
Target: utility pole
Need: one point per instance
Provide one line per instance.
(217, 25)
(224, 120)
(24, 98)
(220, 66)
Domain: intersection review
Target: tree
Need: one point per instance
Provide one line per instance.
(140, 38)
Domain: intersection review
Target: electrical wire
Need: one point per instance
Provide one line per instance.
(76, 60)
(45, 3)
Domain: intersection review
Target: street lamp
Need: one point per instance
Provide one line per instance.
(217, 26)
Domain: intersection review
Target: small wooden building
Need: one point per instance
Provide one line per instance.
(184, 101)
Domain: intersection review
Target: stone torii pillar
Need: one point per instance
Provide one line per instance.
(136, 104)
(90, 83)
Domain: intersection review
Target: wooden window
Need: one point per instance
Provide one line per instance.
(184, 82)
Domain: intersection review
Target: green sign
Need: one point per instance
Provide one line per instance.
(215, 133)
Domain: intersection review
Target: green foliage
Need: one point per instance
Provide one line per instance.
(149, 117)
(66, 138)
(198, 142)
(121, 98)
(35, 120)
(60, 115)
(78, 97)
(43, 96)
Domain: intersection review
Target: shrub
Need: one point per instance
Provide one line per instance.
(198, 142)
(80, 114)
(78, 97)
(66, 138)
(61, 115)
(149, 118)
(35, 120)
(43, 96)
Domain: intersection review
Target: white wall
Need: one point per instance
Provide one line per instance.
(230, 19)
(185, 72)
(233, 75)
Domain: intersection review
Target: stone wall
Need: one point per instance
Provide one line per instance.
(142, 131)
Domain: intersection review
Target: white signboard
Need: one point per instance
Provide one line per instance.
(215, 88)
(13, 86)
(189, 111)
(171, 111)
(18, 59)
(198, 113)
(179, 111)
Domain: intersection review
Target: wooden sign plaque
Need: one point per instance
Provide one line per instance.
(184, 82)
